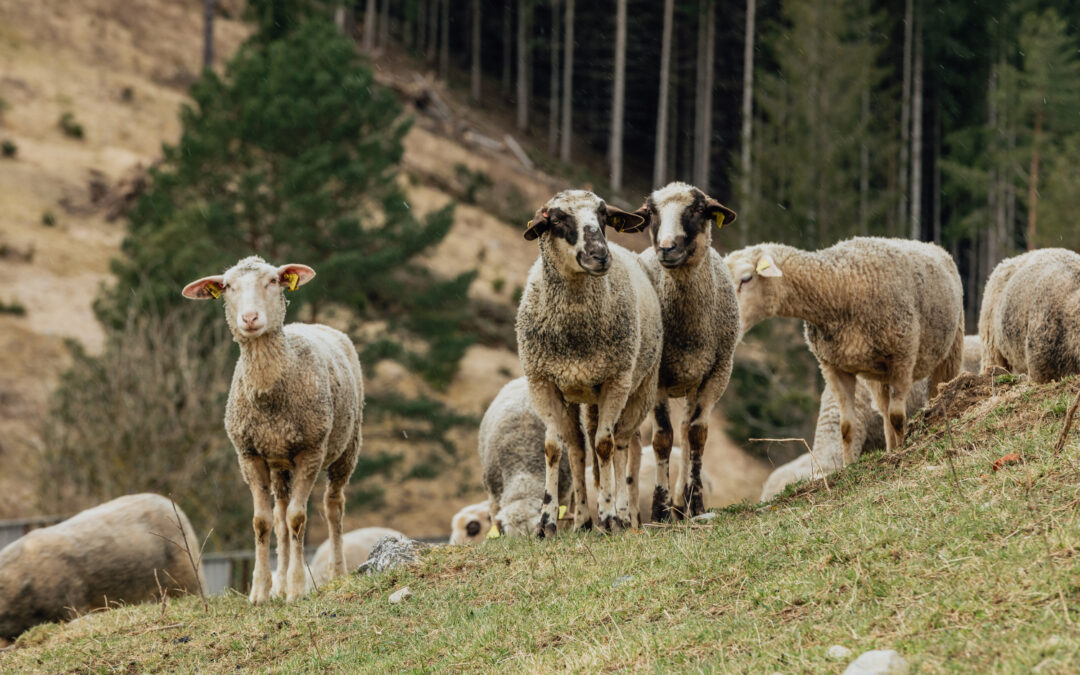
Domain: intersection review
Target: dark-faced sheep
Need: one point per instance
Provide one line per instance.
(701, 329)
(117, 552)
(294, 409)
(888, 310)
(1030, 316)
(589, 334)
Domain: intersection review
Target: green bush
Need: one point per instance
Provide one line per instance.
(8, 148)
(70, 127)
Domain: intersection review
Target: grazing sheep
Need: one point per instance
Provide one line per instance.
(357, 545)
(589, 334)
(701, 328)
(511, 444)
(1030, 316)
(867, 432)
(117, 552)
(295, 407)
(471, 524)
(889, 310)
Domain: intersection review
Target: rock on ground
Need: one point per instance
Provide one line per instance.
(838, 652)
(390, 552)
(878, 662)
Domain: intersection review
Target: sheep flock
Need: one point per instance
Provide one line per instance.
(607, 339)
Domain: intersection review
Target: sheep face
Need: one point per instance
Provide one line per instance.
(570, 227)
(679, 218)
(470, 525)
(254, 294)
(758, 278)
(518, 518)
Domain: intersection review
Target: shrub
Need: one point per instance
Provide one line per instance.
(8, 148)
(70, 127)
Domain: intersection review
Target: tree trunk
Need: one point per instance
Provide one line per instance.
(745, 164)
(508, 51)
(937, 175)
(993, 187)
(568, 83)
(384, 25)
(1033, 180)
(699, 96)
(208, 34)
(475, 75)
(905, 119)
(864, 163)
(553, 82)
(444, 51)
(660, 158)
(421, 26)
(703, 122)
(618, 97)
(917, 137)
(370, 20)
(433, 30)
(522, 66)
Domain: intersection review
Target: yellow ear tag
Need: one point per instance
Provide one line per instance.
(763, 265)
(214, 290)
(293, 278)
(562, 511)
(615, 224)
(493, 533)
(719, 220)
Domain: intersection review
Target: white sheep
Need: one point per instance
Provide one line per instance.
(889, 310)
(701, 329)
(117, 552)
(470, 525)
(1030, 316)
(295, 408)
(867, 431)
(357, 546)
(589, 334)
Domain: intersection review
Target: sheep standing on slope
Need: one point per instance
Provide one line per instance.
(295, 407)
(1030, 316)
(889, 310)
(103, 556)
(589, 334)
(701, 328)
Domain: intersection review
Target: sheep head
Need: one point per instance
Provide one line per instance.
(679, 218)
(570, 227)
(758, 278)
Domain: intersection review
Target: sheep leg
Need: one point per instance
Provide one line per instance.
(257, 476)
(612, 401)
(680, 506)
(337, 476)
(306, 465)
(553, 410)
(697, 432)
(619, 474)
(843, 385)
(661, 442)
(897, 417)
(880, 390)
(592, 421)
(632, 472)
(582, 519)
(280, 481)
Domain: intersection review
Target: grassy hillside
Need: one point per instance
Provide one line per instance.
(928, 551)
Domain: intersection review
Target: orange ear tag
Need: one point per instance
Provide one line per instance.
(293, 278)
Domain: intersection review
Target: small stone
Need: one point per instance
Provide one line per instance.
(838, 652)
(397, 596)
(622, 579)
(705, 517)
(878, 662)
(390, 552)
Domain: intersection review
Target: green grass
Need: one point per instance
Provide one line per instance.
(975, 572)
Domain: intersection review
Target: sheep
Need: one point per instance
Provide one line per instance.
(357, 546)
(867, 431)
(295, 407)
(701, 328)
(1029, 320)
(890, 310)
(116, 552)
(510, 444)
(589, 334)
(470, 525)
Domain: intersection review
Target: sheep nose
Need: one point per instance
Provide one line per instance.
(666, 245)
(600, 257)
(250, 318)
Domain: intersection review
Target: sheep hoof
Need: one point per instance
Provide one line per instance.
(546, 528)
(695, 503)
(587, 526)
(259, 596)
(661, 505)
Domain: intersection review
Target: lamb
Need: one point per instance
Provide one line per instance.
(889, 310)
(1030, 316)
(470, 525)
(295, 407)
(116, 552)
(867, 432)
(701, 328)
(357, 545)
(511, 443)
(589, 334)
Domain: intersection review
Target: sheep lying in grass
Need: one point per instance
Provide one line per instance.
(357, 546)
(511, 446)
(471, 524)
(889, 310)
(589, 334)
(294, 408)
(117, 552)
(1030, 316)
(701, 328)
(867, 432)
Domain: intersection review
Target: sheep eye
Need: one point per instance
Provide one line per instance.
(747, 278)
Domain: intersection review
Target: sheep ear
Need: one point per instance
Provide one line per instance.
(621, 221)
(294, 275)
(719, 213)
(207, 288)
(766, 267)
(537, 226)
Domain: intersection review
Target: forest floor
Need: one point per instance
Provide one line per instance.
(931, 550)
